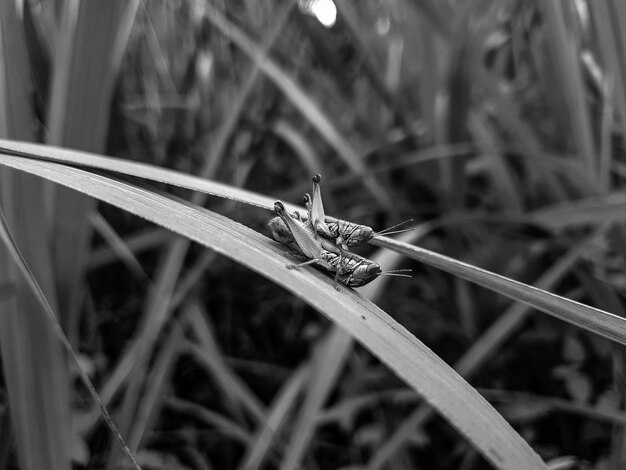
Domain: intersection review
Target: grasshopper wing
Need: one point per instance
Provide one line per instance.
(305, 240)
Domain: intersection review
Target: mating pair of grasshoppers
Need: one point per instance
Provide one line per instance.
(325, 241)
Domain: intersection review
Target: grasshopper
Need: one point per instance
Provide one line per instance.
(345, 234)
(350, 269)
(353, 270)
(331, 250)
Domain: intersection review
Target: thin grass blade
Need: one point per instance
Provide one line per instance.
(34, 365)
(88, 53)
(328, 362)
(53, 322)
(270, 430)
(588, 318)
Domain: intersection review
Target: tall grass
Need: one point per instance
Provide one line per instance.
(498, 126)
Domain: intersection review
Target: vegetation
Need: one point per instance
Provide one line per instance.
(497, 126)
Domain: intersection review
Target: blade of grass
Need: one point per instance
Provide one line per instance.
(207, 353)
(40, 296)
(605, 146)
(154, 173)
(88, 53)
(328, 361)
(278, 414)
(502, 178)
(389, 341)
(120, 249)
(212, 419)
(588, 318)
(135, 243)
(608, 16)
(595, 320)
(590, 211)
(565, 80)
(156, 386)
(33, 362)
(597, 412)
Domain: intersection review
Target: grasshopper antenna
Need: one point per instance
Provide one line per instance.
(390, 231)
(398, 273)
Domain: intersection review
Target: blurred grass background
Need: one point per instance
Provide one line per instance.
(497, 125)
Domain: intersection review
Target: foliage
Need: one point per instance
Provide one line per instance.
(497, 126)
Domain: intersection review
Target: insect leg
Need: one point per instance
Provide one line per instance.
(309, 246)
(306, 263)
(317, 217)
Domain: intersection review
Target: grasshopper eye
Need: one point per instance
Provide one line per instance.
(280, 231)
(278, 207)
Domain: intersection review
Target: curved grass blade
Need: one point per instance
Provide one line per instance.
(140, 170)
(591, 319)
(425, 372)
(583, 212)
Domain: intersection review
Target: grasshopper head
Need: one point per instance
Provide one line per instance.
(280, 231)
(308, 202)
(279, 207)
(362, 235)
(363, 275)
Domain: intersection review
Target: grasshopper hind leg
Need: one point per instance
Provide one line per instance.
(341, 269)
(299, 265)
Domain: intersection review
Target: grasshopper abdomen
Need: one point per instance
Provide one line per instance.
(348, 233)
(351, 269)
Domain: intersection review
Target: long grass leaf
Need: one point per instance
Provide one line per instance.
(211, 418)
(91, 42)
(34, 365)
(595, 320)
(163, 175)
(608, 17)
(156, 386)
(460, 404)
(328, 361)
(136, 243)
(117, 245)
(277, 417)
(207, 353)
(582, 212)
(588, 318)
(566, 81)
(20, 261)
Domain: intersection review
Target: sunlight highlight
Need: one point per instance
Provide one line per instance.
(324, 10)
